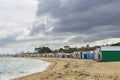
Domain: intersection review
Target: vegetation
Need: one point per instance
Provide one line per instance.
(68, 49)
(116, 44)
(43, 50)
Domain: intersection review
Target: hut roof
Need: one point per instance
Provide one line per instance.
(110, 48)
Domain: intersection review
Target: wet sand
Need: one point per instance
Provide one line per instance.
(77, 69)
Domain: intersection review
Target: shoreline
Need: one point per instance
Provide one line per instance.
(39, 66)
(23, 77)
(76, 69)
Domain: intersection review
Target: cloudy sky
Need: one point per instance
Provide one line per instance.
(55, 23)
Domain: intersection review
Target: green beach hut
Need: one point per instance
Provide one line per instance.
(110, 53)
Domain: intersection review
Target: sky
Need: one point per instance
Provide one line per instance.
(28, 24)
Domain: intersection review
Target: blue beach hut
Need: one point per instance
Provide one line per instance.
(63, 55)
(91, 55)
(86, 56)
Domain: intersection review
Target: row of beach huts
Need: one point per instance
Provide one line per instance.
(104, 54)
(76, 55)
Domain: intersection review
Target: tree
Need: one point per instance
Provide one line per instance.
(61, 50)
(43, 50)
(66, 47)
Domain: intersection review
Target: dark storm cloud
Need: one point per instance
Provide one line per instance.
(97, 18)
(37, 28)
(11, 39)
(103, 34)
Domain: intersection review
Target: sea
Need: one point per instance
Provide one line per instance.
(17, 67)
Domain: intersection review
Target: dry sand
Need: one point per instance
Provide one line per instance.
(77, 69)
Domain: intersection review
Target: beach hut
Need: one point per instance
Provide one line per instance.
(91, 56)
(37, 55)
(67, 55)
(63, 55)
(86, 56)
(51, 55)
(110, 53)
(83, 55)
(76, 55)
(97, 56)
(57, 55)
(47, 55)
(72, 55)
(80, 55)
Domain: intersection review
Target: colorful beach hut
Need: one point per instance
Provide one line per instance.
(110, 53)
(80, 55)
(63, 55)
(67, 55)
(90, 55)
(86, 56)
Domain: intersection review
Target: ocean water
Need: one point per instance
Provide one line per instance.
(17, 67)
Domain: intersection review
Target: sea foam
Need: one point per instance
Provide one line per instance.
(17, 67)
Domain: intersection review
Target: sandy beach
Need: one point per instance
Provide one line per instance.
(77, 69)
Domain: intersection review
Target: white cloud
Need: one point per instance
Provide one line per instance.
(16, 17)
(17, 13)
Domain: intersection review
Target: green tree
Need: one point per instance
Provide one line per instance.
(43, 50)
(66, 47)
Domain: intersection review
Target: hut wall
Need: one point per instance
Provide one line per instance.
(110, 56)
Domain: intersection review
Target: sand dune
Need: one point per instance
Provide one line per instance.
(77, 69)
